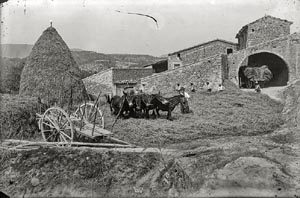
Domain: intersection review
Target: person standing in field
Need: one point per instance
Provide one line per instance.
(208, 86)
(221, 87)
(177, 88)
(142, 88)
(193, 87)
(184, 93)
(257, 87)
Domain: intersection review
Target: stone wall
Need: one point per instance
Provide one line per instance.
(120, 75)
(266, 28)
(291, 110)
(208, 69)
(101, 81)
(287, 48)
(196, 54)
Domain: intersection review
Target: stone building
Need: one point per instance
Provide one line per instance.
(197, 53)
(159, 66)
(262, 30)
(266, 41)
(114, 80)
(210, 69)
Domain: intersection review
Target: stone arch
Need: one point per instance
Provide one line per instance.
(276, 63)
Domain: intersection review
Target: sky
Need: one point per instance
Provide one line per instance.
(104, 25)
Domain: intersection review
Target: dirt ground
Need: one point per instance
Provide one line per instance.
(267, 165)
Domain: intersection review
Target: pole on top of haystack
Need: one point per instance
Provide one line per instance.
(50, 23)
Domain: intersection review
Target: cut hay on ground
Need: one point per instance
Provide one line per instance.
(17, 116)
(219, 114)
(51, 72)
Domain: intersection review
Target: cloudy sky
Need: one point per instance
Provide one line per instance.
(104, 25)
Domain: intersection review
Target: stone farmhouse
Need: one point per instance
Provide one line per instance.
(265, 41)
(114, 80)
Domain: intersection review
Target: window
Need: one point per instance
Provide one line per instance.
(178, 56)
(176, 65)
(229, 51)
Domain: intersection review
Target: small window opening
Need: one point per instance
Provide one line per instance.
(178, 56)
(252, 30)
(229, 51)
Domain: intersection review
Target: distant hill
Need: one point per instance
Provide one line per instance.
(10, 74)
(113, 60)
(15, 50)
(89, 62)
(136, 60)
(93, 62)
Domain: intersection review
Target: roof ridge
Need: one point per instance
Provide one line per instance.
(266, 16)
(202, 44)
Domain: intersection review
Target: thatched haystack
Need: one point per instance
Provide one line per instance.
(51, 72)
(17, 116)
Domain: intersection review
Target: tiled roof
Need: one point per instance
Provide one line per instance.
(202, 44)
(266, 16)
(155, 63)
(132, 75)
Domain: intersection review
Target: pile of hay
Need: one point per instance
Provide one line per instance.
(51, 72)
(17, 116)
(215, 114)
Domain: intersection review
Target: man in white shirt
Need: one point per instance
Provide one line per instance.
(177, 88)
(142, 88)
(184, 93)
(221, 87)
(208, 87)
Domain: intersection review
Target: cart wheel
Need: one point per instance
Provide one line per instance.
(90, 113)
(56, 126)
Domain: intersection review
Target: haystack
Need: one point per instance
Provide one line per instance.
(51, 72)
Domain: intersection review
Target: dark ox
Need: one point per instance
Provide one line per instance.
(149, 102)
(123, 106)
(170, 106)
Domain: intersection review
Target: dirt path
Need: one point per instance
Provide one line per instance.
(273, 92)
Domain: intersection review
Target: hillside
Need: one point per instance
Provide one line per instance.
(95, 62)
(15, 50)
(134, 60)
(10, 72)
(89, 62)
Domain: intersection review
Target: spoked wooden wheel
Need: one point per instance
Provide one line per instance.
(90, 114)
(56, 126)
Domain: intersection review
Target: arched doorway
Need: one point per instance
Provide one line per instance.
(276, 65)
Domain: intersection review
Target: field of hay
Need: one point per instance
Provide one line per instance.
(232, 144)
(231, 113)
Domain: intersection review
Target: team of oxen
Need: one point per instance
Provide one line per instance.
(139, 105)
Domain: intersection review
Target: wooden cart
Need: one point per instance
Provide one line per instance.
(56, 125)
